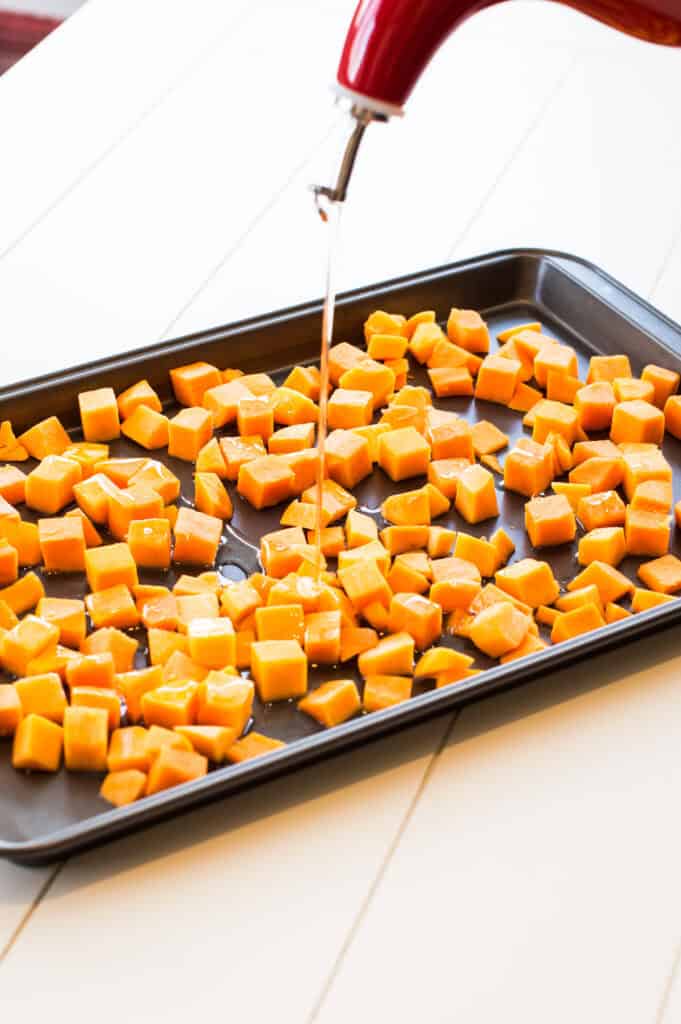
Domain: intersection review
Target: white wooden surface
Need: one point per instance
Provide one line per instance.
(521, 862)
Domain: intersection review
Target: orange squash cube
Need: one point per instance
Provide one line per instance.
(140, 394)
(628, 389)
(603, 509)
(403, 453)
(42, 695)
(576, 598)
(62, 544)
(279, 669)
(611, 583)
(174, 768)
(647, 533)
(487, 438)
(266, 481)
(291, 439)
(171, 704)
(93, 697)
(211, 460)
(604, 544)
(121, 647)
(92, 496)
(557, 358)
(9, 562)
(476, 497)
(49, 487)
(642, 466)
(554, 418)
(280, 622)
(550, 521)
(11, 711)
(222, 401)
(573, 623)
(672, 415)
(99, 415)
(255, 416)
(225, 700)
(451, 381)
(135, 503)
(305, 379)
(213, 741)
(291, 408)
(109, 565)
(332, 703)
(637, 421)
(157, 476)
(188, 432)
(392, 655)
(444, 474)
(191, 382)
(595, 404)
(12, 484)
(24, 538)
(499, 628)
(562, 388)
(159, 737)
(417, 616)
(410, 508)
(23, 595)
(384, 691)
(573, 492)
(662, 574)
(212, 642)
(347, 457)
(211, 497)
(46, 438)
(197, 537)
(149, 543)
(147, 428)
(87, 454)
(601, 474)
(133, 685)
(615, 613)
(96, 669)
(465, 327)
(449, 436)
(369, 375)
(253, 745)
(665, 383)
(124, 787)
(497, 379)
(112, 607)
(608, 368)
(528, 468)
(530, 581)
(350, 408)
(25, 641)
(38, 744)
(364, 583)
(643, 600)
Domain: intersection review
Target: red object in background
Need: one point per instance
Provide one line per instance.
(19, 33)
(390, 42)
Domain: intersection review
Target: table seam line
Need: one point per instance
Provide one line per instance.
(515, 153)
(29, 912)
(189, 69)
(380, 873)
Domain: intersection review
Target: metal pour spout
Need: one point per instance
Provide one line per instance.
(362, 117)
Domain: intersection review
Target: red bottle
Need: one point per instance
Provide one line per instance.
(390, 42)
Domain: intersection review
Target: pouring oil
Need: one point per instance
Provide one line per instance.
(332, 218)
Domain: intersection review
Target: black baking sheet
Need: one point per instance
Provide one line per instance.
(46, 816)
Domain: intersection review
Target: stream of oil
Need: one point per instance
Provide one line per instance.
(332, 217)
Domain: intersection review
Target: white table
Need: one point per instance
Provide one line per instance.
(519, 862)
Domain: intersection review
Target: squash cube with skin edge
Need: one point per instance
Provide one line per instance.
(332, 703)
(347, 458)
(530, 581)
(637, 421)
(417, 616)
(149, 543)
(279, 668)
(476, 497)
(49, 487)
(497, 379)
(573, 623)
(384, 691)
(109, 565)
(212, 642)
(188, 432)
(646, 533)
(403, 453)
(392, 655)
(197, 537)
(38, 744)
(498, 629)
(99, 415)
(605, 544)
(28, 639)
(550, 521)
